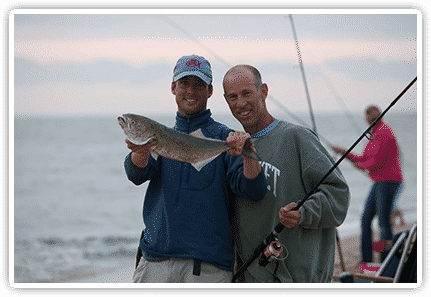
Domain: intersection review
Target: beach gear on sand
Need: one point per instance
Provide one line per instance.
(400, 266)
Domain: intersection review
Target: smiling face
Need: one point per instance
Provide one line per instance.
(191, 94)
(246, 100)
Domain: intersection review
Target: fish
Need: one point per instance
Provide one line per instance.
(193, 148)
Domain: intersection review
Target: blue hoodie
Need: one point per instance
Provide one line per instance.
(186, 212)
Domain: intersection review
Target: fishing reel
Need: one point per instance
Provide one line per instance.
(275, 248)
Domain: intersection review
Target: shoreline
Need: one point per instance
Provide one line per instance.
(121, 270)
(114, 271)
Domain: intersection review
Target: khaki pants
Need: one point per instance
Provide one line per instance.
(175, 270)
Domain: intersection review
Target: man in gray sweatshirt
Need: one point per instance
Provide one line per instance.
(294, 161)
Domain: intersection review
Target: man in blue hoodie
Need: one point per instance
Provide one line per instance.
(187, 235)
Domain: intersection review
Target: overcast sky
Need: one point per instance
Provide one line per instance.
(109, 62)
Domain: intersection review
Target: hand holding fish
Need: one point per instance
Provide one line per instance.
(237, 141)
(193, 148)
(140, 153)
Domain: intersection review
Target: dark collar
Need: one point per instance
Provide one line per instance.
(192, 123)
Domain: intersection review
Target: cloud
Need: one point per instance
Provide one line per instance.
(134, 50)
(370, 69)
(338, 85)
(137, 51)
(113, 87)
(29, 73)
(85, 64)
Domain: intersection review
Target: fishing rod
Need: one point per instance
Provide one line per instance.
(303, 73)
(315, 128)
(279, 227)
(224, 62)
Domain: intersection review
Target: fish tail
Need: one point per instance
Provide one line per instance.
(249, 152)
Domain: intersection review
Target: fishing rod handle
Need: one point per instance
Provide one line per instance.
(256, 254)
(278, 228)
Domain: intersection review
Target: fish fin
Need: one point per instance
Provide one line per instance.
(201, 164)
(198, 134)
(149, 140)
(154, 154)
(137, 142)
(248, 151)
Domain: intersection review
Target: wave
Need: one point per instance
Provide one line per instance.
(44, 259)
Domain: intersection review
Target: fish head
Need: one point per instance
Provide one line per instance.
(122, 122)
(135, 128)
(126, 123)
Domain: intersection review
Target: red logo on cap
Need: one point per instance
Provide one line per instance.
(193, 63)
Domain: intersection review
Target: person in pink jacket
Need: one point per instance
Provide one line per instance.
(381, 160)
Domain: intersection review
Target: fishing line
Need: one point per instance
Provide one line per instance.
(224, 62)
(312, 119)
(279, 227)
(178, 27)
(303, 73)
(337, 97)
(326, 80)
(366, 134)
(282, 107)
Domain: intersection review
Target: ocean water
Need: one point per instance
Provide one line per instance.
(73, 205)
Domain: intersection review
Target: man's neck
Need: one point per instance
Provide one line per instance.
(262, 124)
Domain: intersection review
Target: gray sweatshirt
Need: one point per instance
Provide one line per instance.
(294, 161)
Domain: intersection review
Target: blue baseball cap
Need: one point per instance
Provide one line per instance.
(193, 65)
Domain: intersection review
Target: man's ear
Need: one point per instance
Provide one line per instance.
(210, 90)
(264, 90)
(173, 85)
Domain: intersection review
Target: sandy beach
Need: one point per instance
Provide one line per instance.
(351, 252)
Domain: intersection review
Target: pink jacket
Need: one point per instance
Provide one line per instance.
(381, 156)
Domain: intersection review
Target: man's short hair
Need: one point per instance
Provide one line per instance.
(256, 74)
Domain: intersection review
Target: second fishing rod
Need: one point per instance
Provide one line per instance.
(279, 227)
